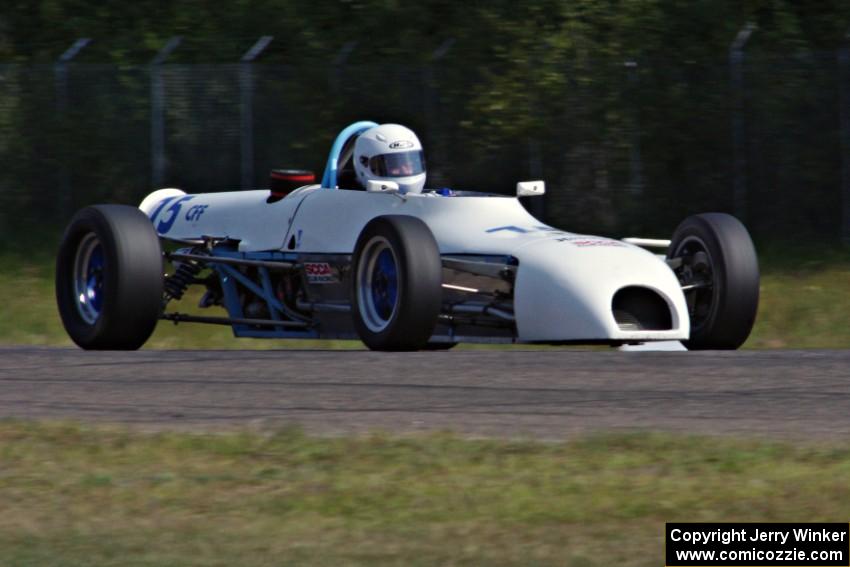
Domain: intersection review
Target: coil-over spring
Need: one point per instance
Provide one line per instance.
(176, 284)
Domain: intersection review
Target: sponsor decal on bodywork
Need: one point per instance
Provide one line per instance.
(170, 214)
(194, 213)
(320, 273)
(586, 242)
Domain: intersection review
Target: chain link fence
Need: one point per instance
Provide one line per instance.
(625, 147)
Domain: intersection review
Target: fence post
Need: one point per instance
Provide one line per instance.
(438, 161)
(635, 162)
(844, 124)
(246, 91)
(158, 112)
(341, 57)
(739, 143)
(537, 205)
(60, 72)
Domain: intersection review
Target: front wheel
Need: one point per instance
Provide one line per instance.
(109, 278)
(719, 273)
(397, 284)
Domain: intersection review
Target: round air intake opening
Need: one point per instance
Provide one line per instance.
(641, 309)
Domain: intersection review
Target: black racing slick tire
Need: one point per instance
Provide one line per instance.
(719, 274)
(109, 278)
(396, 284)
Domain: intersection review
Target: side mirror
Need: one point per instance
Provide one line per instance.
(530, 188)
(381, 186)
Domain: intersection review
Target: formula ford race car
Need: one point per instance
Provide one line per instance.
(400, 270)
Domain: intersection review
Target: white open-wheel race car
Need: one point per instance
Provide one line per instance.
(370, 254)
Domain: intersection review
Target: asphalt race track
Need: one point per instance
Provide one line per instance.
(545, 394)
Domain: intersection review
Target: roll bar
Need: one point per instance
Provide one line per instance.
(329, 178)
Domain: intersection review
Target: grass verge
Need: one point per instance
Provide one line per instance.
(104, 496)
(804, 304)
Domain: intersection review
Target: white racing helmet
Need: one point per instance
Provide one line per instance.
(390, 152)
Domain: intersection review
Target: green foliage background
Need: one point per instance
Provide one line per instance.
(624, 107)
(507, 31)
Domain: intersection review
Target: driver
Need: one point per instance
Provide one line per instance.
(390, 152)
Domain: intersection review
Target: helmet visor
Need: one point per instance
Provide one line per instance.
(401, 164)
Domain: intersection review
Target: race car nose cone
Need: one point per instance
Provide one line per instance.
(566, 286)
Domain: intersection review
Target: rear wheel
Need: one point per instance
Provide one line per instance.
(109, 278)
(397, 284)
(720, 277)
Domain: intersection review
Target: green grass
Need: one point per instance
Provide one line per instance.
(805, 299)
(106, 496)
(805, 303)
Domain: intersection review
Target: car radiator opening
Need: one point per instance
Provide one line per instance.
(641, 309)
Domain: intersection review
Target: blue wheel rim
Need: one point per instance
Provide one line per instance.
(88, 279)
(378, 284)
(384, 284)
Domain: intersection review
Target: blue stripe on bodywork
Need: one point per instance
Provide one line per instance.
(509, 228)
